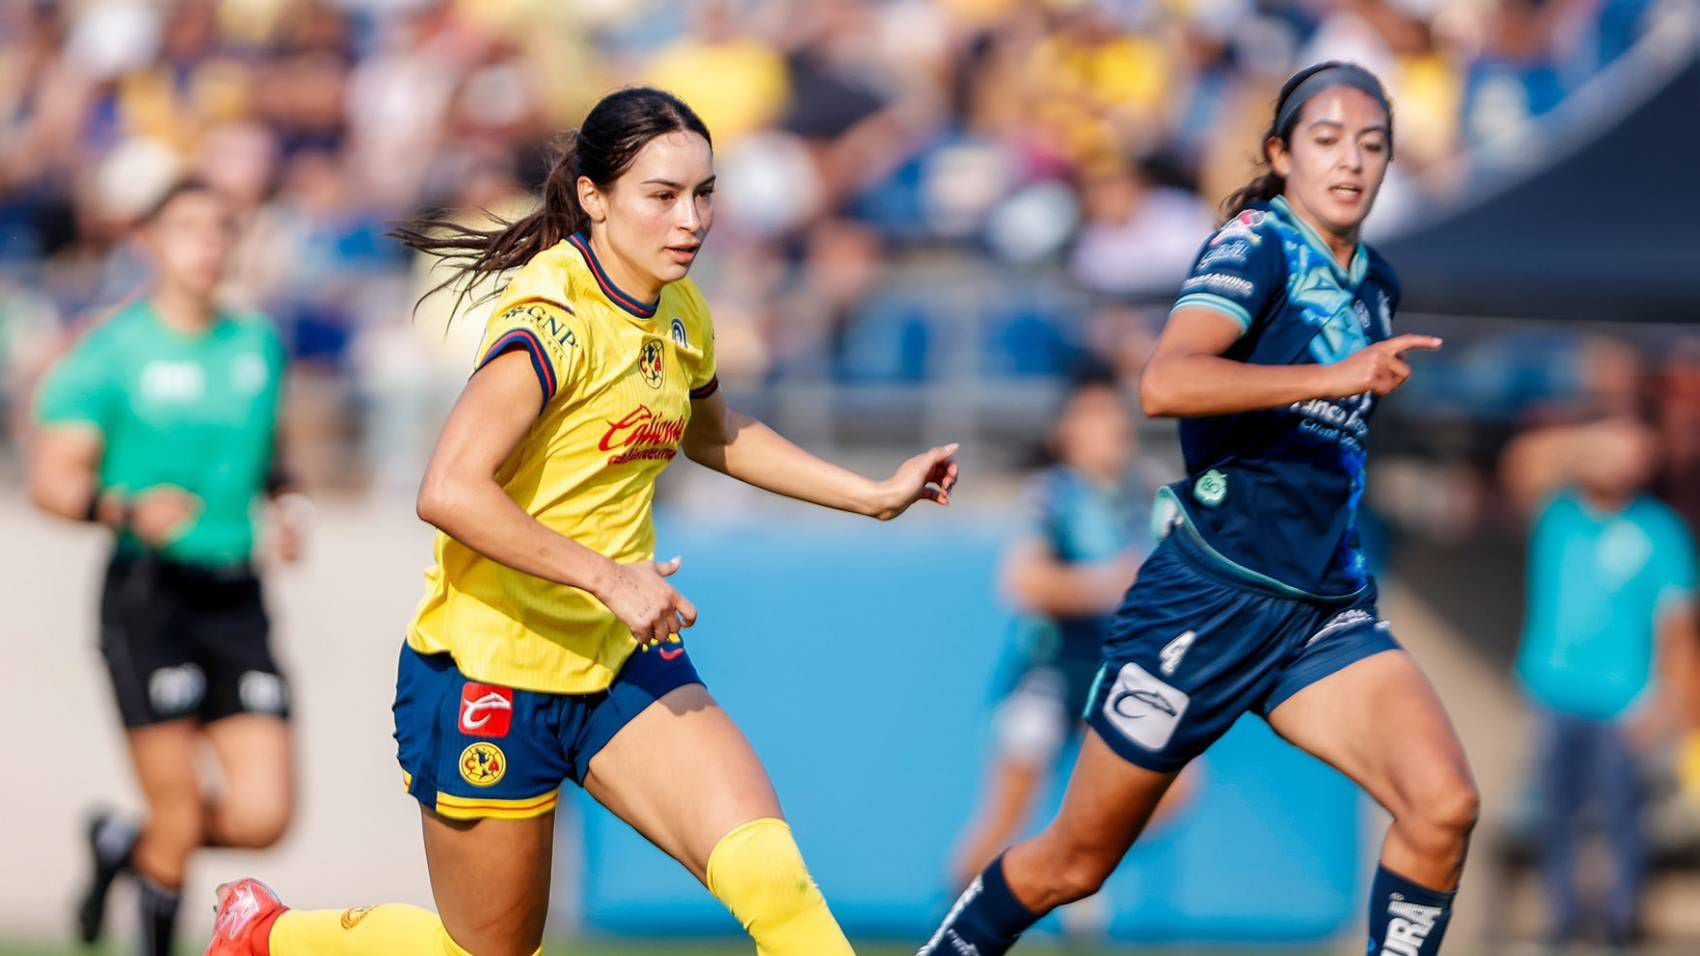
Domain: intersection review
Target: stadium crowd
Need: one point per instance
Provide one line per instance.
(858, 141)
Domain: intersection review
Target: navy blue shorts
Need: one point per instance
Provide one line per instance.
(470, 750)
(1195, 645)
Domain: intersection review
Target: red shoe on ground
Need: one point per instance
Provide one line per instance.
(246, 911)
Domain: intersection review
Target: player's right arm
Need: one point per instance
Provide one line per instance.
(461, 497)
(1187, 376)
(1236, 282)
(73, 413)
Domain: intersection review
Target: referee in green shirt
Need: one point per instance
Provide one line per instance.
(162, 424)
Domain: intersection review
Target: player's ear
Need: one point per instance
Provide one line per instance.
(1280, 160)
(591, 200)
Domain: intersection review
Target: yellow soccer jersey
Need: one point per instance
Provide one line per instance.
(618, 378)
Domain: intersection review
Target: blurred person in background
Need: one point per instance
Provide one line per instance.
(548, 645)
(1609, 652)
(1258, 598)
(1087, 529)
(161, 425)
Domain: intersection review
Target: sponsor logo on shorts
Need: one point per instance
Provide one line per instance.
(483, 765)
(261, 692)
(1349, 618)
(486, 711)
(1144, 709)
(1409, 927)
(671, 654)
(177, 690)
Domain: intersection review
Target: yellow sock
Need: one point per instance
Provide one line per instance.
(758, 872)
(388, 928)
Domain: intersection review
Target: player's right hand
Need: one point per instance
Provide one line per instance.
(1380, 368)
(163, 514)
(641, 598)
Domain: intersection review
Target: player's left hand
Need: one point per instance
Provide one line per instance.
(292, 514)
(928, 476)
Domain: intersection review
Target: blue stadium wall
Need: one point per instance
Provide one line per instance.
(858, 658)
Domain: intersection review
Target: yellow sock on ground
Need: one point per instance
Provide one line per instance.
(758, 872)
(363, 931)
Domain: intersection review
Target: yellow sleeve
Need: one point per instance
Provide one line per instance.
(694, 341)
(549, 333)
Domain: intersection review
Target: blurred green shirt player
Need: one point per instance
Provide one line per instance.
(195, 411)
(161, 424)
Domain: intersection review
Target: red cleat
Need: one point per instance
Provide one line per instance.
(246, 911)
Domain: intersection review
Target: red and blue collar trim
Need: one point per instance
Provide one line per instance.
(630, 303)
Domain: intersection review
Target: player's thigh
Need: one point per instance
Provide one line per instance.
(682, 774)
(1380, 722)
(256, 755)
(490, 880)
(164, 758)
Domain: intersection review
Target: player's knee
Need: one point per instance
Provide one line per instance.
(257, 824)
(175, 827)
(1073, 871)
(1441, 817)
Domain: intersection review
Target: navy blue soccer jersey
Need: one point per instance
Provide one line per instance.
(1275, 493)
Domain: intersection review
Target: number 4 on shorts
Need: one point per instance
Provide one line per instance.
(1175, 651)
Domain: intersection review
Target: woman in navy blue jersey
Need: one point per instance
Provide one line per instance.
(1257, 599)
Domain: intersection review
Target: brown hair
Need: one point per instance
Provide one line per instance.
(601, 150)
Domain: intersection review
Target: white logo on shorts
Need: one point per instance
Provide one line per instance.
(1144, 709)
(262, 693)
(177, 690)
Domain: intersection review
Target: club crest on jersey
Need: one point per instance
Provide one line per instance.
(1243, 227)
(679, 337)
(486, 710)
(1211, 488)
(652, 362)
(483, 765)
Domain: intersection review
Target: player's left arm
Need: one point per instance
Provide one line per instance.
(740, 446)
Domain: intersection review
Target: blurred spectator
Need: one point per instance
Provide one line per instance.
(971, 144)
(1137, 238)
(1608, 654)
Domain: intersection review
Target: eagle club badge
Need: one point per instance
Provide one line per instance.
(652, 362)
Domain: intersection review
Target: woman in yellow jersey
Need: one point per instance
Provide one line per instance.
(547, 645)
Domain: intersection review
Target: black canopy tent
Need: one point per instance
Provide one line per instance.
(1610, 231)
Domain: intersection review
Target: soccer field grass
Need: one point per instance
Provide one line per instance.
(696, 948)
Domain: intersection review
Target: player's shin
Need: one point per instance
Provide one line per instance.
(986, 920)
(1406, 919)
(758, 872)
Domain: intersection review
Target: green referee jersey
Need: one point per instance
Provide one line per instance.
(198, 411)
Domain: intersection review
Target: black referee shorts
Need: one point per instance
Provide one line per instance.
(185, 642)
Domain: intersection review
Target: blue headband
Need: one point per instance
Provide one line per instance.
(1341, 74)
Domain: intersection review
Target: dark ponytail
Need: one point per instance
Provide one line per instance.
(1268, 184)
(601, 150)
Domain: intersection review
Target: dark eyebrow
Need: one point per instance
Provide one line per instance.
(1377, 128)
(670, 184)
